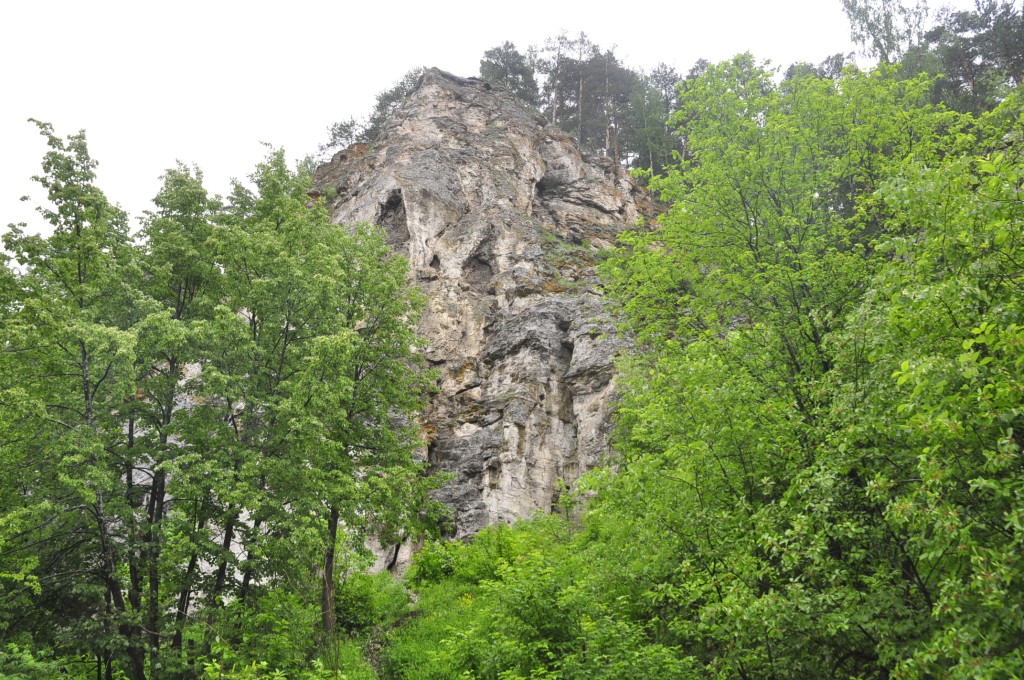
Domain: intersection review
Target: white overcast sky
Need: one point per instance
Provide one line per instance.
(205, 82)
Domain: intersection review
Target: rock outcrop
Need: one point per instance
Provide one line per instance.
(502, 220)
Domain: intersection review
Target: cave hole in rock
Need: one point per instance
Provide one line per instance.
(393, 562)
(538, 190)
(477, 272)
(435, 263)
(393, 219)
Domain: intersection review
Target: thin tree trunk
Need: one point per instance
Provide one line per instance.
(222, 568)
(554, 103)
(221, 579)
(132, 634)
(607, 110)
(185, 597)
(134, 577)
(156, 507)
(157, 504)
(617, 159)
(579, 110)
(327, 591)
(247, 570)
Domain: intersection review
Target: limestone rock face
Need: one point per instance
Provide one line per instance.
(502, 220)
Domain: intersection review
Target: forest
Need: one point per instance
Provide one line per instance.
(819, 470)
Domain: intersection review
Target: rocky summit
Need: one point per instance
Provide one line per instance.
(502, 219)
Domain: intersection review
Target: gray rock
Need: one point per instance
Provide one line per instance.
(502, 219)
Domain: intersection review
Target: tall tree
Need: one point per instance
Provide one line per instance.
(327, 346)
(588, 93)
(648, 139)
(979, 54)
(551, 65)
(886, 29)
(170, 473)
(71, 363)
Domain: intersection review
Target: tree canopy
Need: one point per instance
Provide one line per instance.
(214, 413)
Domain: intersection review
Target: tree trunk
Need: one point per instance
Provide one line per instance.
(554, 104)
(247, 569)
(222, 568)
(185, 596)
(607, 110)
(134, 576)
(579, 110)
(131, 634)
(156, 509)
(220, 581)
(327, 591)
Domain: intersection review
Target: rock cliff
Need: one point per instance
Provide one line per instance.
(502, 220)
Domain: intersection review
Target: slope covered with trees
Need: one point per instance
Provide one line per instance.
(819, 468)
(820, 471)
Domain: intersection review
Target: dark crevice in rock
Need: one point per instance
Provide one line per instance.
(477, 273)
(393, 219)
(394, 558)
(585, 202)
(492, 472)
(467, 388)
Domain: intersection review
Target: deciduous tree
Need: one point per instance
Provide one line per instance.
(226, 408)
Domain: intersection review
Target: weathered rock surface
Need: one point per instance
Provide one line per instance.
(502, 220)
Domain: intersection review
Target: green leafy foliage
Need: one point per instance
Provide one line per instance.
(975, 55)
(522, 602)
(197, 422)
(819, 428)
(814, 515)
(941, 332)
(820, 469)
(18, 662)
(365, 601)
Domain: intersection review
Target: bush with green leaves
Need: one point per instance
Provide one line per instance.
(523, 602)
(19, 662)
(364, 601)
